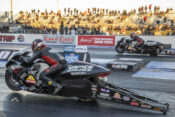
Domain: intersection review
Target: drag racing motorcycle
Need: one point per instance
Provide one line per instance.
(80, 79)
(153, 48)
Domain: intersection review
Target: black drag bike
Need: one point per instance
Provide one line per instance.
(80, 79)
(153, 48)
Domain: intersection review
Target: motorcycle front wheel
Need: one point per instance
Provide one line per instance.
(119, 49)
(11, 82)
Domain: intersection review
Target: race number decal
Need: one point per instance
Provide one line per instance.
(4, 54)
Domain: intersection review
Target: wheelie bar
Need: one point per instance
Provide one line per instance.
(116, 94)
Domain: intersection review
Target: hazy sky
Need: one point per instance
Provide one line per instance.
(81, 4)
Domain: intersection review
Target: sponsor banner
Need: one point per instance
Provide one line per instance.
(66, 40)
(71, 58)
(69, 48)
(3, 63)
(18, 38)
(76, 49)
(5, 55)
(114, 66)
(96, 40)
(7, 38)
(50, 39)
(81, 49)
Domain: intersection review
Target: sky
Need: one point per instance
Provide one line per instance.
(81, 4)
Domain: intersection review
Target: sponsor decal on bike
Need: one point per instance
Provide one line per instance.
(94, 86)
(78, 73)
(94, 94)
(80, 68)
(31, 80)
(117, 96)
(20, 38)
(134, 103)
(145, 106)
(126, 98)
(104, 96)
(105, 90)
(157, 109)
(94, 89)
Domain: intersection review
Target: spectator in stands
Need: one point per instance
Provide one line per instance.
(94, 21)
(172, 23)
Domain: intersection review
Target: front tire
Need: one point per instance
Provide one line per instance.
(156, 51)
(11, 82)
(119, 49)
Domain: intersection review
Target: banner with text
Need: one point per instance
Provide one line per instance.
(59, 39)
(96, 40)
(28, 38)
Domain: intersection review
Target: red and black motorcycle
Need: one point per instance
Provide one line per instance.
(153, 48)
(83, 80)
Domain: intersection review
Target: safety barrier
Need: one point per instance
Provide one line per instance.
(93, 41)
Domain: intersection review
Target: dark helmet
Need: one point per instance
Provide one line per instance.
(132, 35)
(37, 44)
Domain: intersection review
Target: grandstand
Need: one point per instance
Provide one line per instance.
(144, 21)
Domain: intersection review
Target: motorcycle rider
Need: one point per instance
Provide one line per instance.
(56, 62)
(136, 38)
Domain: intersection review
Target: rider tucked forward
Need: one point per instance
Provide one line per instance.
(56, 62)
(139, 40)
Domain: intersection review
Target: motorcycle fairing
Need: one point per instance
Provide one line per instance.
(83, 69)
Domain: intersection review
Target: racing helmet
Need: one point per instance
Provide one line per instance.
(132, 35)
(37, 44)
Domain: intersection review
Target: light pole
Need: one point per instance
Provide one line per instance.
(11, 11)
(58, 4)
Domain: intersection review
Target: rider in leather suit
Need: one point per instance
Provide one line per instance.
(56, 62)
(139, 40)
